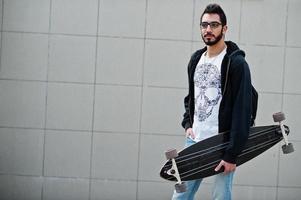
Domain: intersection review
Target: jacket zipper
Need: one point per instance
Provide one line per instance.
(227, 74)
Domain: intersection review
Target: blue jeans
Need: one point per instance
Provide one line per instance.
(222, 185)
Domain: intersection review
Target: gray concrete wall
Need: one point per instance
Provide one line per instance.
(92, 92)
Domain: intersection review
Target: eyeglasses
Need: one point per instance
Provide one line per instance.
(213, 25)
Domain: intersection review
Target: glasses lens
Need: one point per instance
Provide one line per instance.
(214, 24)
(204, 25)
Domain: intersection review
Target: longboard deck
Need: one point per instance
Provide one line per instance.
(200, 159)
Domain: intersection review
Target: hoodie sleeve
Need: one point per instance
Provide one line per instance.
(186, 122)
(186, 118)
(241, 90)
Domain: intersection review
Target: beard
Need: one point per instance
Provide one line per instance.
(214, 40)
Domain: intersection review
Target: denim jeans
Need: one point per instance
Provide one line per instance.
(222, 185)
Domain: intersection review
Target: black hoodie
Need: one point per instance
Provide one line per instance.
(235, 106)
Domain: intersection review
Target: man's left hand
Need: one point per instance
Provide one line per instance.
(228, 167)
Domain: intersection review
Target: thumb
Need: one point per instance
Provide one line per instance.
(189, 132)
(218, 167)
(192, 134)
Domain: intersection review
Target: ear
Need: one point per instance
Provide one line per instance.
(225, 28)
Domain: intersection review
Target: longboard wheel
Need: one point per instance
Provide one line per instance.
(171, 153)
(278, 117)
(289, 148)
(180, 187)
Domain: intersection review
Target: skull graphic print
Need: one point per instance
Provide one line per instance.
(207, 90)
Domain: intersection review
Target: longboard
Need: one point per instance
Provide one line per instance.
(199, 160)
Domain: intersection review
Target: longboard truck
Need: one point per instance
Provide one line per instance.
(171, 154)
(287, 147)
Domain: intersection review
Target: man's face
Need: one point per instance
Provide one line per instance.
(212, 30)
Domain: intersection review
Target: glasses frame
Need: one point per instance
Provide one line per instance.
(213, 25)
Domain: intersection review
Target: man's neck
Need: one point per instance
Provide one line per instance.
(216, 49)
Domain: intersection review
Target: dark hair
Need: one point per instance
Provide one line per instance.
(215, 9)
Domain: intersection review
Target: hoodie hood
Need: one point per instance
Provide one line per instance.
(233, 50)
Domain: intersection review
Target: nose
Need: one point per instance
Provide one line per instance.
(208, 28)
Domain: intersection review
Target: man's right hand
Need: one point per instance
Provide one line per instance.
(189, 133)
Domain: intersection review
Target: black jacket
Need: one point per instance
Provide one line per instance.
(235, 106)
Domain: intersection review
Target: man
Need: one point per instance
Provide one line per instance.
(219, 99)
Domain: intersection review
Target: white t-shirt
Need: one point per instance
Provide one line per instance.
(207, 96)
